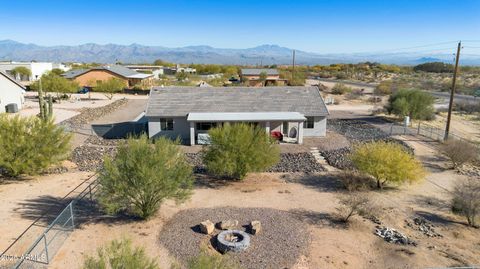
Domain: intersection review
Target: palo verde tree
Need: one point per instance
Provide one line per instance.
(387, 162)
(30, 145)
(51, 82)
(21, 72)
(143, 175)
(237, 149)
(110, 87)
(413, 103)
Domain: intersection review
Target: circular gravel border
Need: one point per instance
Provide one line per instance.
(283, 239)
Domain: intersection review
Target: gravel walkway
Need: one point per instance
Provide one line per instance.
(280, 243)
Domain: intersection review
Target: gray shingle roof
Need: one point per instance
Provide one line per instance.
(179, 101)
(258, 71)
(117, 69)
(74, 73)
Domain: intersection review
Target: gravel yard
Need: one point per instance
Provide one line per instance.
(279, 245)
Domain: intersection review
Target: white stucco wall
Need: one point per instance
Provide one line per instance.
(319, 128)
(9, 93)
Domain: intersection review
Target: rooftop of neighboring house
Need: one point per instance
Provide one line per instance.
(258, 71)
(116, 69)
(2, 74)
(180, 101)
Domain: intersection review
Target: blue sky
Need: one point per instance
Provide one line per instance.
(315, 26)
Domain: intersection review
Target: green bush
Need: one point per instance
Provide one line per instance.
(238, 149)
(215, 261)
(413, 103)
(30, 145)
(340, 88)
(120, 255)
(142, 175)
(384, 88)
(110, 87)
(386, 162)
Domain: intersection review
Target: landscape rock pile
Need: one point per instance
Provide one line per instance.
(355, 131)
(393, 236)
(469, 170)
(283, 239)
(289, 163)
(88, 115)
(297, 162)
(422, 225)
(90, 158)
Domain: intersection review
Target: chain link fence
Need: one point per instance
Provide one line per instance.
(38, 244)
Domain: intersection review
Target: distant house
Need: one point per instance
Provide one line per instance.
(158, 71)
(11, 92)
(253, 77)
(189, 112)
(93, 76)
(37, 69)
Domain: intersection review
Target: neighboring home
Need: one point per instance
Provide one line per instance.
(253, 77)
(37, 69)
(189, 112)
(93, 76)
(11, 92)
(158, 71)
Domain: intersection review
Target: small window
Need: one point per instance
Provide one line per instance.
(166, 124)
(205, 126)
(309, 123)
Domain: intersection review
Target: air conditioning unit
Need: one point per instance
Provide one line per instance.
(11, 108)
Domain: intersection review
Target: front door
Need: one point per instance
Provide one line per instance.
(285, 128)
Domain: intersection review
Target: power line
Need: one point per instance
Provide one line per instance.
(416, 47)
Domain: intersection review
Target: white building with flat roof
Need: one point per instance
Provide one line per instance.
(37, 69)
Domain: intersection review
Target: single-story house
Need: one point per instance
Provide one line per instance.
(37, 69)
(253, 76)
(11, 92)
(189, 112)
(93, 76)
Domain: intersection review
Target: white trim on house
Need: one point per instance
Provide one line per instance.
(245, 117)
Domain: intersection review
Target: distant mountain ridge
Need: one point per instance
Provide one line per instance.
(11, 50)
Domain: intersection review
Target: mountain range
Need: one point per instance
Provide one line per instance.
(265, 54)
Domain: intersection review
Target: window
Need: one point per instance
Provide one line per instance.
(166, 124)
(205, 126)
(309, 123)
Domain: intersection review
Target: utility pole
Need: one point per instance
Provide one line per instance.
(454, 81)
(293, 66)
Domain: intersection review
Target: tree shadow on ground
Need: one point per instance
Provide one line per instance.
(45, 209)
(437, 218)
(431, 202)
(210, 182)
(323, 183)
(434, 163)
(319, 219)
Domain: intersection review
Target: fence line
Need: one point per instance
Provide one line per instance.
(22, 251)
(425, 130)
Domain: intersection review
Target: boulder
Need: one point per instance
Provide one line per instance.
(255, 227)
(228, 224)
(207, 227)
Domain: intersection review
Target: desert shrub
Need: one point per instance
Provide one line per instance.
(435, 67)
(355, 181)
(340, 88)
(237, 149)
(467, 107)
(466, 199)
(384, 88)
(30, 145)
(142, 175)
(119, 254)
(386, 162)
(352, 204)
(212, 261)
(459, 152)
(110, 87)
(413, 103)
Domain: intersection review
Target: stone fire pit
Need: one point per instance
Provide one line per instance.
(233, 240)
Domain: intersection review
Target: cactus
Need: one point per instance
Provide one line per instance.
(46, 107)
